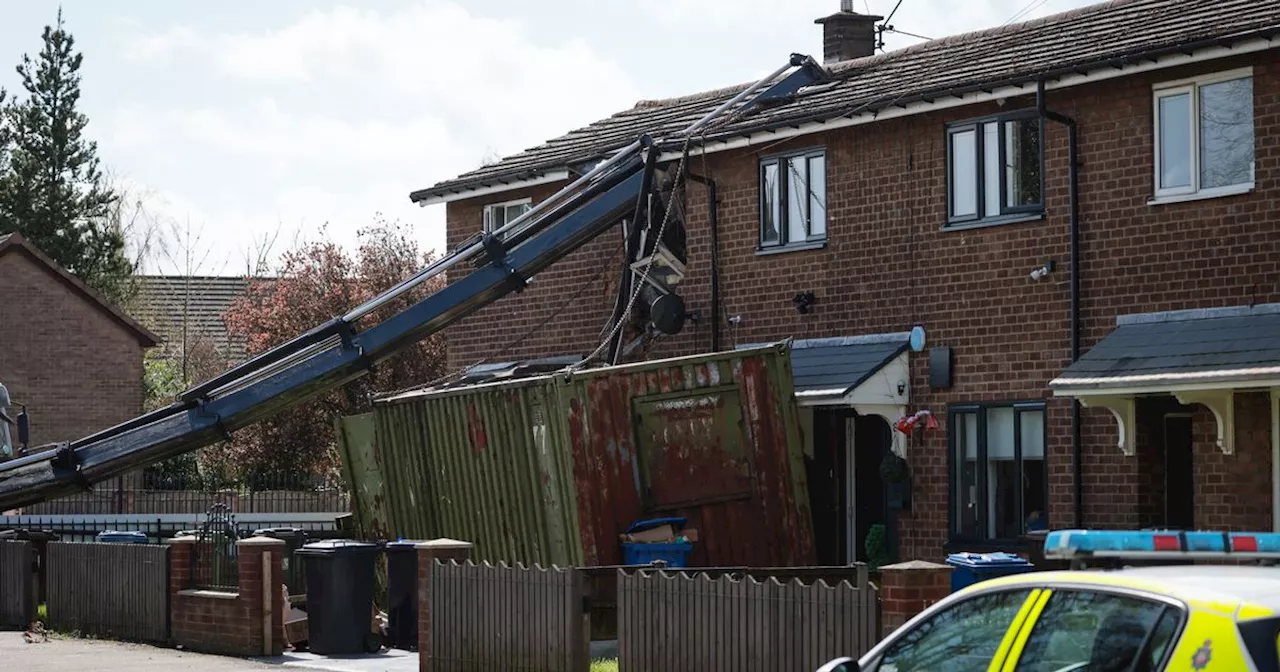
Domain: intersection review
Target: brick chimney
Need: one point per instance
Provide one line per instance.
(847, 34)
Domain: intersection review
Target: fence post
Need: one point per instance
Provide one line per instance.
(909, 588)
(428, 553)
(261, 579)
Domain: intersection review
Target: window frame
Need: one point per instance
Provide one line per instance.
(486, 225)
(1007, 214)
(954, 461)
(783, 243)
(1165, 602)
(1023, 617)
(1192, 86)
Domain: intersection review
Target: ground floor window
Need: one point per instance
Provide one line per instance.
(999, 477)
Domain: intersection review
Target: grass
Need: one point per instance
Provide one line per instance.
(604, 666)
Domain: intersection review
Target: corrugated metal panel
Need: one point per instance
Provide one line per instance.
(553, 470)
(484, 465)
(718, 442)
(356, 440)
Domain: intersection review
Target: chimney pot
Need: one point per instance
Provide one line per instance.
(847, 34)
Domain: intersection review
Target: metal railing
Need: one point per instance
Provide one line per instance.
(214, 560)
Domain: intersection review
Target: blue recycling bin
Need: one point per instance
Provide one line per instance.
(117, 537)
(971, 568)
(675, 554)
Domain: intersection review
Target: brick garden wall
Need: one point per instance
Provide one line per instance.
(224, 622)
(888, 265)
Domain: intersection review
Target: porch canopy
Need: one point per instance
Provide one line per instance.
(1197, 356)
(868, 373)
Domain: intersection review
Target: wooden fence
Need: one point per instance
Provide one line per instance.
(498, 617)
(112, 590)
(675, 621)
(17, 584)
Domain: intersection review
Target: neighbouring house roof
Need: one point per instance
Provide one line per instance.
(15, 243)
(1237, 345)
(167, 301)
(1101, 37)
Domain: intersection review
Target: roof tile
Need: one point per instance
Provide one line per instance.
(1058, 44)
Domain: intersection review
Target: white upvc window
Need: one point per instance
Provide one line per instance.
(498, 215)
(1204, 135)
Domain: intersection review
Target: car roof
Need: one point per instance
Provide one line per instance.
(1227, 588)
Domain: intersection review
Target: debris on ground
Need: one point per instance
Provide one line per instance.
(36, 633)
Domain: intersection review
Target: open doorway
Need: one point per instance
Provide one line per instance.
(847, 498)
(1179, 474)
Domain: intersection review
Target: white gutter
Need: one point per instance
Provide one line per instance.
(545, 178)
(766, 137)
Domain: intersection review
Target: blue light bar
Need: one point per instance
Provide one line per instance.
(1071, 544)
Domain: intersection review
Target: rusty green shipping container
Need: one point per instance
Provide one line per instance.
(552, 469)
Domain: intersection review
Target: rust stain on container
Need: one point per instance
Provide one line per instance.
(553, 470)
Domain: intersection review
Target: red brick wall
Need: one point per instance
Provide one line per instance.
(227, 623)
(77, 369)
(889, 265)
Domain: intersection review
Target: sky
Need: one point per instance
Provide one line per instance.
(241, 123)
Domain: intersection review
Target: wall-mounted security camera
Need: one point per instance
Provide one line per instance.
(735, 320)
(1039, 273)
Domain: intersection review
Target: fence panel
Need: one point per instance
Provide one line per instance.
(491, 617)
(112, 590)
(676, 621)
(17, 584)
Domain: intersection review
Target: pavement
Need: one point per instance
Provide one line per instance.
(60, 654)
(388, 660)
(63, 654)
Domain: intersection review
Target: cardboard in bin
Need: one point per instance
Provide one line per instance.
(659, 531)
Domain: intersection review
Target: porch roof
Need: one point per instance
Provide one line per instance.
(1153, 352)
(829, 370)
(1198, 356)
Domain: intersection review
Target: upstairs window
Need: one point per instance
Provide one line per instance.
(498, 215)
(793, 200)
(1204, 135)
(995, 170)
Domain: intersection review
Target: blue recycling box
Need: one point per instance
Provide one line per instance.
(117, 537)
(674, 554)
(971, 568)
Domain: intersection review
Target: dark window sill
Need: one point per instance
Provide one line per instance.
(795, 247)
(995, 221)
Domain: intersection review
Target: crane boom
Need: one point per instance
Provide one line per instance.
(335, 352)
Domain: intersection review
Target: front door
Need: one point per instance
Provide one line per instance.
(1179, 476)
(872, 440)
(828, 485)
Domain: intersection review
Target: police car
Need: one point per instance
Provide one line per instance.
(1104, 613)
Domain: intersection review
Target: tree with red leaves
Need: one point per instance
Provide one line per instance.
(319, 280)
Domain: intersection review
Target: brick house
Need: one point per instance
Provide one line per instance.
(71, 356)
(957, 264)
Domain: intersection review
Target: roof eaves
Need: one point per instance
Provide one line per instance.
(1117, 59)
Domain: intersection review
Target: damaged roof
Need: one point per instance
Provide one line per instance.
(1105, 35)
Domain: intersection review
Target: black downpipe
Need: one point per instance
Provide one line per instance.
(713, 217)
(1073, 160)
